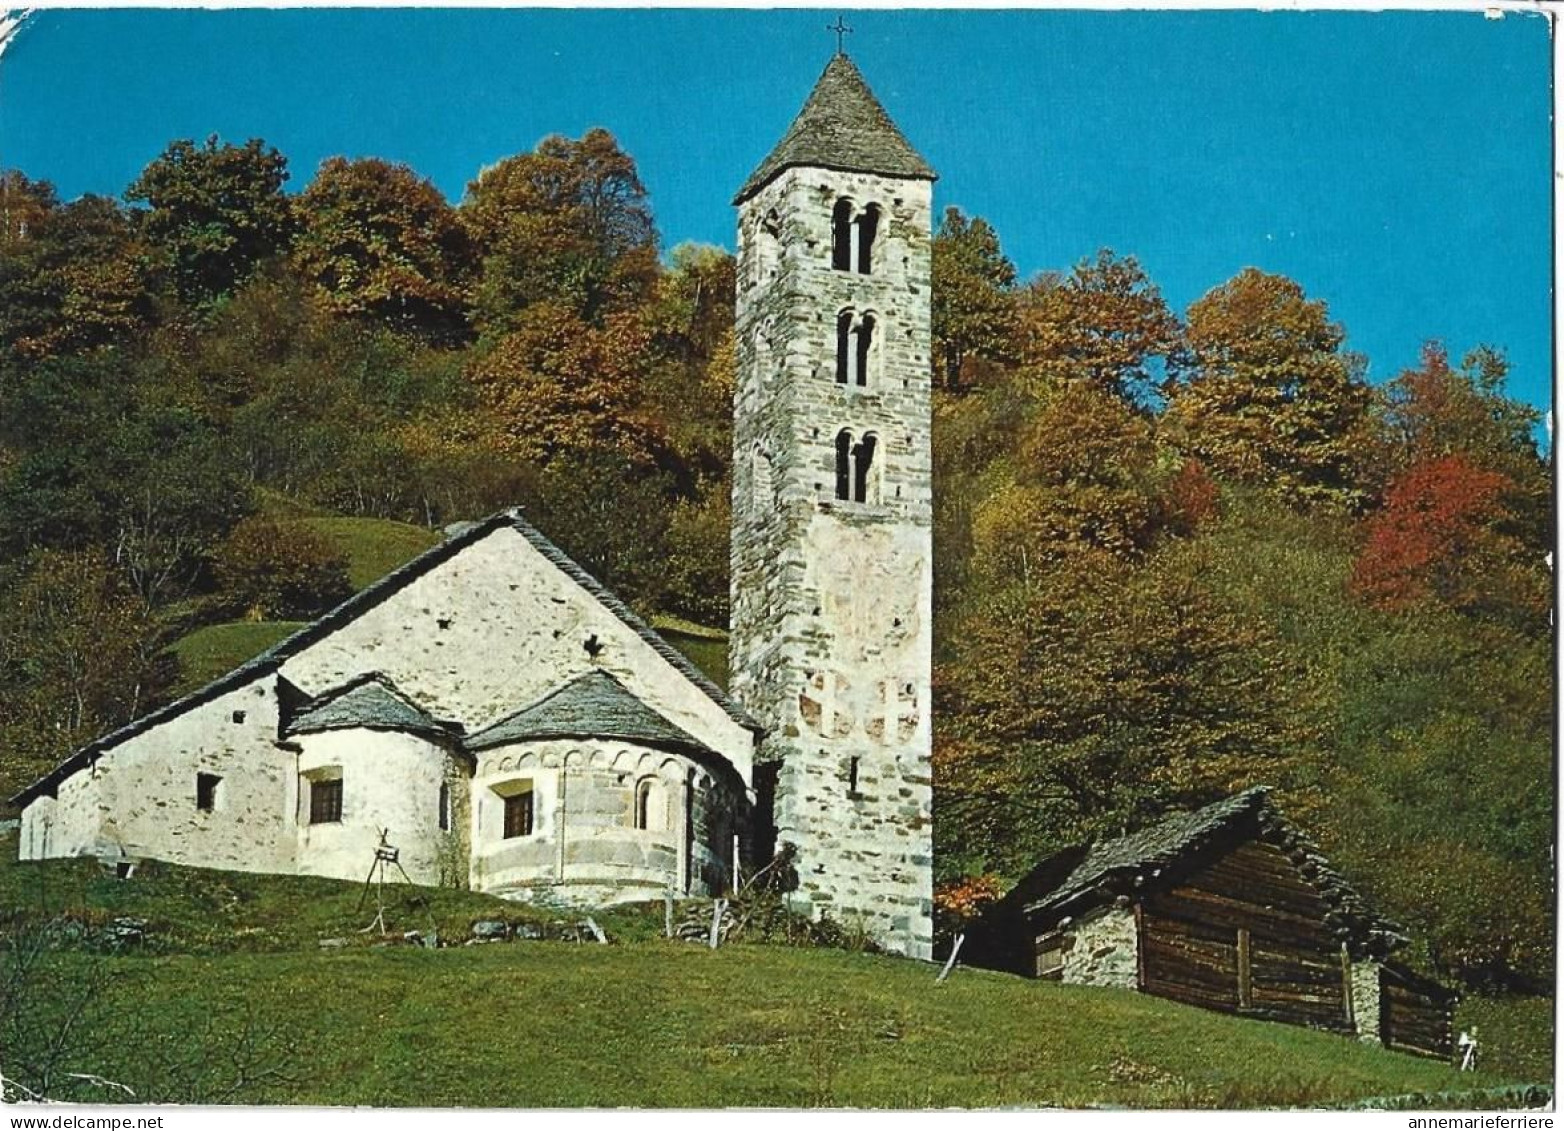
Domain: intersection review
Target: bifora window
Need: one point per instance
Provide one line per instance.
(326, 801)
(854, 464)
(518, 815)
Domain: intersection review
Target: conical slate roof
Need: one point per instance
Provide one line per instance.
(593, 705)
(842, 126)
(369, 701)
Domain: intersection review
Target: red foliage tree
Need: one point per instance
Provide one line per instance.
(1440, 535)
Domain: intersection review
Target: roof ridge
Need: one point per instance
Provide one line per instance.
(328, 622)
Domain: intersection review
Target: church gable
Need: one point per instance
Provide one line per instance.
(504, 621)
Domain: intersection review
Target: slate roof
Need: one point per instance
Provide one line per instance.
(1126, 864)
(372, 702)
(274, 657)
(593, 705)
(842, 126)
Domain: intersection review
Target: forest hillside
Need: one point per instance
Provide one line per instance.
(1178, 553)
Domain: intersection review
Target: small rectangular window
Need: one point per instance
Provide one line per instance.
(445, 806)
(206, 792)
(518, 815)
(326, 802)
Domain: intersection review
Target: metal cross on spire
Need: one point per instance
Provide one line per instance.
(841, 29)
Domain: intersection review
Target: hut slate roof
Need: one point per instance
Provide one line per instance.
(371, 702)
(842, 126)
(1159, 853)
(593, 705)
(274, 657)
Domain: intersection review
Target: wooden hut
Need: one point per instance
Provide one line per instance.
(1228, 908)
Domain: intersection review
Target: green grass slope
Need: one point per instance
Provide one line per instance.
(217, 649)
(663, 1024)
(373, 546)
(232, 971)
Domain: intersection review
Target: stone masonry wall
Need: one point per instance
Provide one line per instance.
(832, 600)
(1101, 950)
(1365, 1000)
(584, 846)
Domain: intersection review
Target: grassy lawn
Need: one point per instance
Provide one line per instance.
(659, 1024)
(1514, 1034)
(206, 911)
(707, 650)
(232, 974)
(217, 649)
(373, 546)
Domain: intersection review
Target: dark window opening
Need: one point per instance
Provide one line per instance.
(445, 806)
(206, 792)
(326, 802)
(865, 339)
(844, 448)
(852, 775)
(649, 805)
(863, 460)
(842, 235)
(844, 349)
(867, 225)
(238, 716)
(518, 815)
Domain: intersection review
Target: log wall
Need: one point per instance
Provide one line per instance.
(1190, 942)
(1415, 1016)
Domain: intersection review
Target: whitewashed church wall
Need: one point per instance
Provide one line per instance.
(496, 627)
(390, 781)
(139, 798)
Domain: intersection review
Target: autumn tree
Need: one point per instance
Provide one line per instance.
(272, 570)
(972, 307)
(1442, 535)
(23, 203)
(79, 655)
(1267, 395)
(382, 242)
(1097, 696)
(558, 385)
(568, 223)
(217, 210)
(1087, 473)
(1104, 324)
(102, 458)
(1438, 410)
(75, 278)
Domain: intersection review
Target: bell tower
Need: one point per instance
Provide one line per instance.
(832, 567)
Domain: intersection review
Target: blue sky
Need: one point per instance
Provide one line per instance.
(1396, 164)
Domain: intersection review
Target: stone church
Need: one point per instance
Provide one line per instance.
(511, 726)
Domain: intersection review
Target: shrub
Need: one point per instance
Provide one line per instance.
(269, 570)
